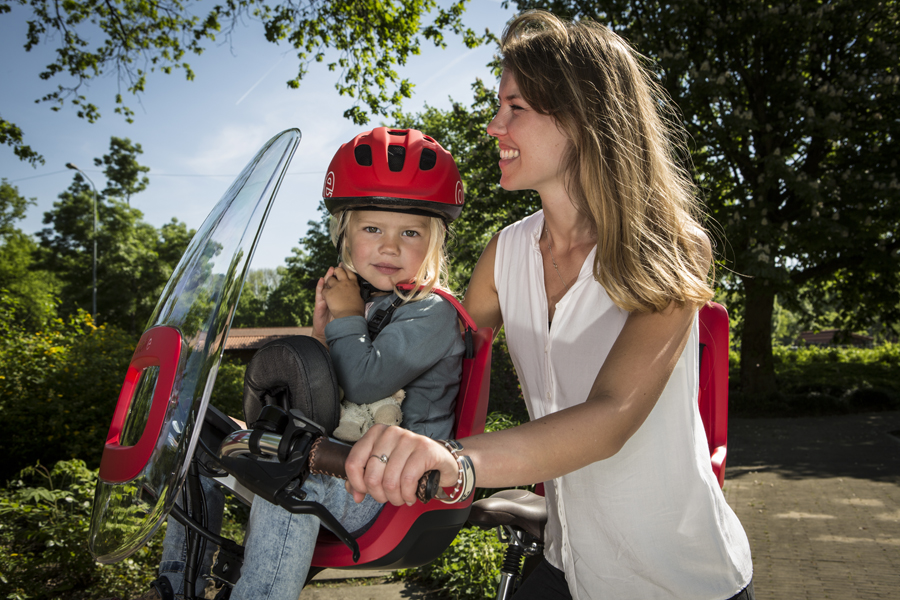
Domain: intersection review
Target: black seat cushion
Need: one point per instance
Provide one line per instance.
(293, 373)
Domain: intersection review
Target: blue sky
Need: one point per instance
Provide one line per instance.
(198, 135)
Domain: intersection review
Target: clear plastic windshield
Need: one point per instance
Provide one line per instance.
(171, 377)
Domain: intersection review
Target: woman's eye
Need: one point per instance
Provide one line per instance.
(410, 233)
(370, 229)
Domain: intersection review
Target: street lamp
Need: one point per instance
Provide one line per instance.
(94, 290)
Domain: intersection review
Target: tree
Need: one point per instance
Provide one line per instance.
(30, 291)
(793, 110)
(253, 307)
(463, 132)
(135, 259)
(132, 39)
(291, 303)
(123, 172)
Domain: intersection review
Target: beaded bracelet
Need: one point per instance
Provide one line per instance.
(465, 481)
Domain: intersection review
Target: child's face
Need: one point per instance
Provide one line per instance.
(387, 248)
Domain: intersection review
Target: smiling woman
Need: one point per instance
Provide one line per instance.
(598, 294)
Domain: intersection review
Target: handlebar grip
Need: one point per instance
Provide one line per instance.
(327, 458)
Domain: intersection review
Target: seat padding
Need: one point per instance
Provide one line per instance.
(293, 373)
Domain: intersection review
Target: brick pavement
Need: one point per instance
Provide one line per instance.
(820, 501)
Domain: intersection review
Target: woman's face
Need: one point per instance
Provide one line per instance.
(387, 248)
(531, 144)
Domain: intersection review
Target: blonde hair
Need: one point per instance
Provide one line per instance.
(621, 165)
(433, 272)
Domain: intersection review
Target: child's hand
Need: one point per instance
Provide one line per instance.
(321, 315)
(341, 293)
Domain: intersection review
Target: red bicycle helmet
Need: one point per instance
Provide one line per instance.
(396, 169)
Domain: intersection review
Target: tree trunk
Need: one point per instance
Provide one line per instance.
(757, 363)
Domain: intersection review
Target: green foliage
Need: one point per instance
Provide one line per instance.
(824, 380)
(123, 172)
(228, 393)
(30, 290)
(793, 112)
(11, 135)
(291, 303)
(134, 258)
(253, 308)
(364, 40)
(44, 520)
(468, 570)
(58, 388)
(463, 132)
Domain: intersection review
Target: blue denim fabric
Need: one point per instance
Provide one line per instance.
(278, 545)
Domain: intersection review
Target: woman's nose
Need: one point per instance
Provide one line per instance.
(497, 126)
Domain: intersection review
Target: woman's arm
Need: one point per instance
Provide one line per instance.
(625, 390)
(482, 301)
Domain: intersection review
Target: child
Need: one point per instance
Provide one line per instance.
(391, 194)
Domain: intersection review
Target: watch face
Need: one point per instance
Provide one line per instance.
(168, 384)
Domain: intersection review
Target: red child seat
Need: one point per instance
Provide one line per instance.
(713, 397)
(411, 536)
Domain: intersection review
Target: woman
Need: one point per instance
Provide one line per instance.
(598, 293)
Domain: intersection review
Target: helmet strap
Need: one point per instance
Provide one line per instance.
(367, 290)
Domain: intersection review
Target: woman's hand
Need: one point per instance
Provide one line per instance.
(341, 293)
(410, 456)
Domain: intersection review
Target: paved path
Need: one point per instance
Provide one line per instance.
(818, 497)
(820, 501)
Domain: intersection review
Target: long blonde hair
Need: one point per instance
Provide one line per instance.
(621, 166)
(433, 272)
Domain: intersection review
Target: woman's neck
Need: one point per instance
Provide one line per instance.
(567, 227)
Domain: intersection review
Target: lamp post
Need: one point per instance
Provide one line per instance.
(94, 287)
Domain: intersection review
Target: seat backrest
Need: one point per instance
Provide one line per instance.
(713, 397)
(411, 536)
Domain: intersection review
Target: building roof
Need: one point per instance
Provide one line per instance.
(254, 338)
(826, 336)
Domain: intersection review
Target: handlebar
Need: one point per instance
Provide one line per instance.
(326, 457)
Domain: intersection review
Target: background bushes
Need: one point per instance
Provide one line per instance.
(45, 515)
(58, 389)
(824, 380)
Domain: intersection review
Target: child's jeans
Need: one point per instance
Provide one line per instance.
(279, 545)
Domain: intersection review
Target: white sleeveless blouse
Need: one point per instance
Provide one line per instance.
(651, 521)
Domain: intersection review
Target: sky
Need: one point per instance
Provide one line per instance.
(197, 135)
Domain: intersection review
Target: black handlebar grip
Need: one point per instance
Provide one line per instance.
(327, 457)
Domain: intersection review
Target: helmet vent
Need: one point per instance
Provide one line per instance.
(396, 158)
(428, 159)
(363, 154)
(396, 132)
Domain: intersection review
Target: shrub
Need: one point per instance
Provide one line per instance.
(468, 570)
(228, 393)
(824, 380)
(58, 389)
(44, 521)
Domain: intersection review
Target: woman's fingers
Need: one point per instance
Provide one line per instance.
(408, 457)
